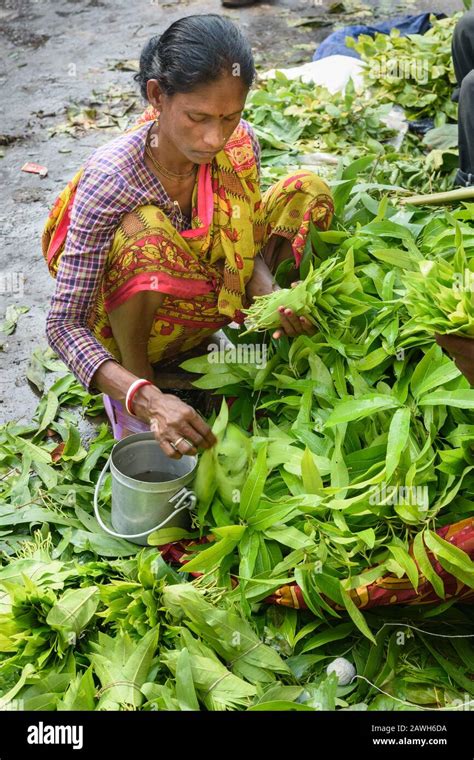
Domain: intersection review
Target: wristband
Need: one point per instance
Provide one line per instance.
(131, 393)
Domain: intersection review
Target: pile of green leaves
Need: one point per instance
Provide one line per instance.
(80, 609)
(330, 296)
(291, 116)
(367, 407)
(295, 121)
(415, 71)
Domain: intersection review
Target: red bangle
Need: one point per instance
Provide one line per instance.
(131, 393)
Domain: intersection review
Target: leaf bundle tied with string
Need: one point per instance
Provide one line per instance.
(217, 688)
(230, 636)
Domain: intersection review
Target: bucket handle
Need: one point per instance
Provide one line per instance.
(185, 500)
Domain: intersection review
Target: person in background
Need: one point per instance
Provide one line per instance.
(460, 348)
(463, 61)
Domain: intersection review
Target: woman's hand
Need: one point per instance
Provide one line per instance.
(170, 420)
(261, 283)
(293, 325)
(462, 351)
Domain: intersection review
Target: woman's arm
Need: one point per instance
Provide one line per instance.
(170, 418)
(261, 282)
(99, 204)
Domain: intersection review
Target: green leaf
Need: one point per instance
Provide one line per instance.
(434, 377)
(312, 482)
(228, 633)
(406, 562)
(254, 485)
(359, 408)
(465, 577)
(446, 550)
(355, 168)
(80, 695)
(185, 691)
(100, 543)
(248, 550)
(455, 673)
(198, 364)
(398, 434)
(280, 706)
(265, 517)
(216, 380)
(396, 257)
(51, 409)
(35, 371)
(368, 536)
(96, 452)
(72, 612)
(426, 567)
(209, 558)
(331, 634)
(328, 585)
(122, 666)
(281, 693)
(48, 474)
(462, 399)
(73, 449)
(222, 419)
(205, 481)
(288, 536)
(233, 532)
(168, 535)
(36, 453)
(432, 361)
(356, 615)
(12, 315)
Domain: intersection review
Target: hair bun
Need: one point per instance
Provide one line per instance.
(193, 51)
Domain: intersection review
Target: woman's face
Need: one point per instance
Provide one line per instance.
(199, 123)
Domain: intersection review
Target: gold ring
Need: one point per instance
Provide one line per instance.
(176, 443)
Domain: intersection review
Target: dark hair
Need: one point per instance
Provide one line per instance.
(195, 50)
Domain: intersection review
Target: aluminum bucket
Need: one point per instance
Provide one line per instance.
(140, 505)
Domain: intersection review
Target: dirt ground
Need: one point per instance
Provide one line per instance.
(60, 54)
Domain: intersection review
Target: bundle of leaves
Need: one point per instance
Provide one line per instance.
(440, 296)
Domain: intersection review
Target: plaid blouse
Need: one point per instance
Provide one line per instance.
(115, 181)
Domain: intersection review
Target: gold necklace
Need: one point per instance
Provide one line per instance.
(162, 169)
